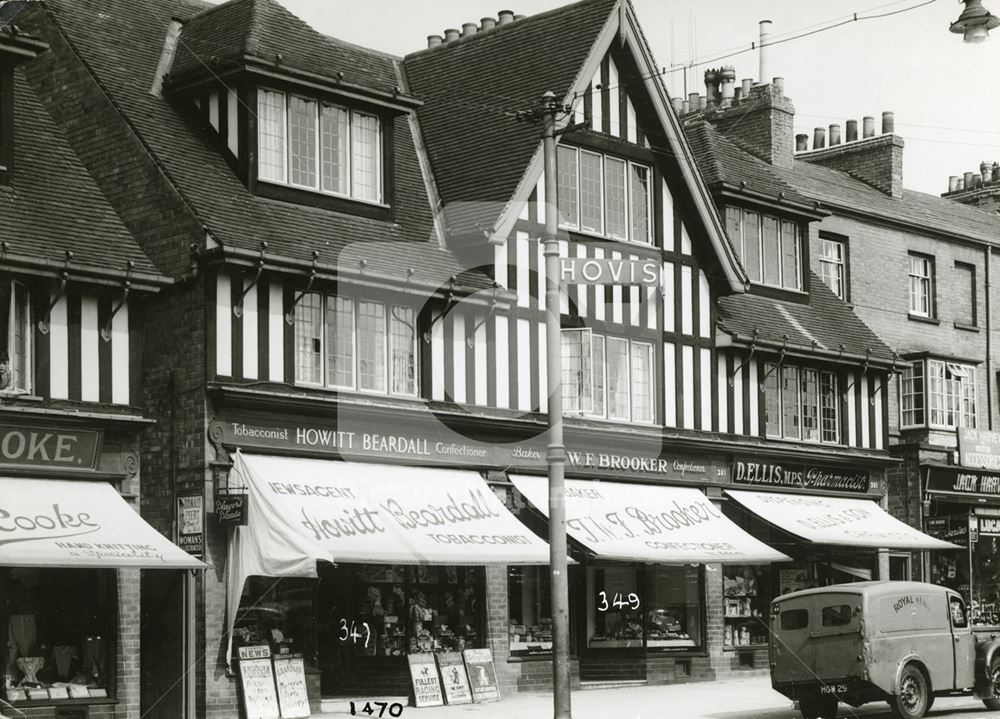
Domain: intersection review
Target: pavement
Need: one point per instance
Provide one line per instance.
(749, 698)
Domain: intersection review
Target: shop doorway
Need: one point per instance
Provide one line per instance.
(161, 645)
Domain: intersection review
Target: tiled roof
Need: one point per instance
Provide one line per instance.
(473, 86)
(721, 160)
(838, 189)
(120, 40)
(54, 205)
(264, 29)
(825, 319)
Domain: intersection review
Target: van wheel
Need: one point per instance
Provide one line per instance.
(913, 698)
(994, 701)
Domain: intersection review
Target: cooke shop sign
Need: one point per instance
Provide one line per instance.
(50, 447)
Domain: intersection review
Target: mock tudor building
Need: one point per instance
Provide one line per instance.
(352, 350)
(916, 268)
(75, 289)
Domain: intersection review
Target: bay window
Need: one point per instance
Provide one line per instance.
(604, 195)
(801, 403)
(607, 377)
(938, 394)
(769, 247)
(351, 343)
(318, 146)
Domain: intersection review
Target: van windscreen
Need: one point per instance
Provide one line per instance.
(795, 619)
(837, 615)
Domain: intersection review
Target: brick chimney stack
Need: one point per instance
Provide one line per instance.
(874, 159)
(762, 122)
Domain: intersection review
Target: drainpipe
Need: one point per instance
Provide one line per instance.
(989, 342)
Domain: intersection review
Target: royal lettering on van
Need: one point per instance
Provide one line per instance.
(909, 601)
(68, 449)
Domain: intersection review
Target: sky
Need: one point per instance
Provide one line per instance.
(941, 90)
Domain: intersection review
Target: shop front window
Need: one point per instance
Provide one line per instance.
(746, 599)
(61, 630)
(370, 616)
(529, 603)
(653, 607)
(278, 612)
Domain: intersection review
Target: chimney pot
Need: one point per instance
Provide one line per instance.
(953, 183)
(968, 181)
(685, 107)
(778, 83)
(747, 85)
(801, 142)
(996, 172)
(727, 89)
(451, 34)
(834, 135)
(868, 126)
(434, 40)
(678, 105)
(852, 130)
(694, 101)
(469, 28)
(506, 17)
(961, 184)
(711, 86)
(488, 23)
(765, 40)
(737, 95)
(888, 122)
(819, 138)
(984, 170)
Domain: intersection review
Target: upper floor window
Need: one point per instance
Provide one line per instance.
(607, 377)
(833, 266)
(965, 294)
(16, 341)
(938, 394)
(801, 403)
(604, 195)
(921, 285)
(318, 146)
(769, 247)
(349, 343)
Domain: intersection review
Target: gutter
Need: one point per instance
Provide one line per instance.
(471, 295)
(725, 338)
(143, 281)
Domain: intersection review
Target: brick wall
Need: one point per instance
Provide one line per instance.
(877, 161)
(879, 293)
(762, 124)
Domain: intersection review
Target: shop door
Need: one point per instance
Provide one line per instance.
(612, 647)
(162, 648)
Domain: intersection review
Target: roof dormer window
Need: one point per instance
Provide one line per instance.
(318, 146)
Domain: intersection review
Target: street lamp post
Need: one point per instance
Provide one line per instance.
(556, 450)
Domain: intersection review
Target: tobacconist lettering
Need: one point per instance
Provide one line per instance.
(783, 475)
(50, 447)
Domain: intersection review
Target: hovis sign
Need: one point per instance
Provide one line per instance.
(603, 271)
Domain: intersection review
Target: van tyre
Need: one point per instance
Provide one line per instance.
(994, 701)
(913, 698)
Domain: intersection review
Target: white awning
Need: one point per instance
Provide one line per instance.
(70, 523)
(309, 509)
(836, 520)
(649, 523)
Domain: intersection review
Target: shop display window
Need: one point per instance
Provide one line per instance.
(530, 609)
(746, 599)
(654, 607)
(61, 631)
(985, 602)
(278, 612)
